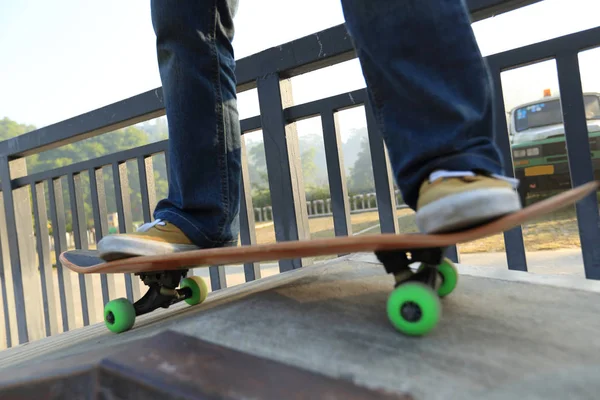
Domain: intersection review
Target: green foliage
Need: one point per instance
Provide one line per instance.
(314, 168)
(361, 174)
(257, 169)
(112, 142)
(317, 193)
(261, 198)
(10, 129)
(309, 168)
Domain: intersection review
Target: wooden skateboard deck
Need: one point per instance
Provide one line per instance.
(413, 307)
(88, 262)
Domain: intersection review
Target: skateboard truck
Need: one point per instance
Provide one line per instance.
(414, 305)
(120, 314)
(162, 291)
(397, 262)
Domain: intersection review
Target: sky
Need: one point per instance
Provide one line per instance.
(63, 58)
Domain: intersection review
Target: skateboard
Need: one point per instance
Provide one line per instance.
(413, 307)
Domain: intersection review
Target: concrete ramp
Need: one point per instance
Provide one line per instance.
(503, 334)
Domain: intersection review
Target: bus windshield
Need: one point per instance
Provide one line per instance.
(549, 113)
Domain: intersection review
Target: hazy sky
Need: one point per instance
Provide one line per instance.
(62, 58)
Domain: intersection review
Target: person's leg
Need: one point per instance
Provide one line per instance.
(197, 69)
(432, 99)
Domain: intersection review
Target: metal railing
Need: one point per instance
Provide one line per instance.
(27, 279)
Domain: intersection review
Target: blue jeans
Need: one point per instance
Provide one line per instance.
(427, 82)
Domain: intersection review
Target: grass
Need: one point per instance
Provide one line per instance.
(553, 231)
(556, 230)
(323, 227)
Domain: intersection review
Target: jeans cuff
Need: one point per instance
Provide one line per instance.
(190, 229)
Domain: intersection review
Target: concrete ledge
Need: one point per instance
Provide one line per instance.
(503, 334)
(175, 366)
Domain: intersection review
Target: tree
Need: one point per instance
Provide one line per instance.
(257, 167)
(309, 168)
(91, 148)
(361, 174)
(10, 129)
(352, 146)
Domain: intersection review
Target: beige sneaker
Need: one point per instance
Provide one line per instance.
(455, 200)
(153, 238)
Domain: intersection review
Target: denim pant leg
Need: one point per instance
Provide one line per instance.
(428, 85)
(197, 69)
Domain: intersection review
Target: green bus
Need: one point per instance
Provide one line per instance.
(538, 143)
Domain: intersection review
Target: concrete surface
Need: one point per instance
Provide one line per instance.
(503, 335)
(552, 262)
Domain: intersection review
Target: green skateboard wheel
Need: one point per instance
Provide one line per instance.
(450, 277)
(414, 308)
(198, 288)
(119, 315)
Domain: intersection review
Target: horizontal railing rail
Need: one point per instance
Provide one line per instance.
(322, 49)
(109, 159)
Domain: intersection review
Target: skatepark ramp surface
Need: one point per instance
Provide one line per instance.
(76, 200)
(503, 335)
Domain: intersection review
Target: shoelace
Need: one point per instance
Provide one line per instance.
(145, 227)
(457, 174)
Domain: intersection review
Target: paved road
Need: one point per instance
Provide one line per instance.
(554, 262)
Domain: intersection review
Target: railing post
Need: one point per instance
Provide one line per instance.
(513, 239)
(10, 318)
(65, 288)
(247, 230)
(283, 165)
(38, 194)
(5, 337)
(218, 277)
(100, 212)
(147, 189)
(580, 162)
(382, 174)
(336, 174)
(79, 223)
(21, 246)
(121, 181)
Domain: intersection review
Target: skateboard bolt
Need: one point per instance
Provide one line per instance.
(110, 318)
(411, 312)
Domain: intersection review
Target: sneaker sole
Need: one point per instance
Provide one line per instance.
(119, 247)
(467, 209)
